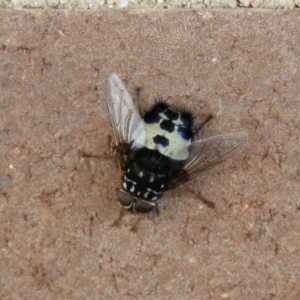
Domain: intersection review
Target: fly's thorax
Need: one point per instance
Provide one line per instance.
(167, 131)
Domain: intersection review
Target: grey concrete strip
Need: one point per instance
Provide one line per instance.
(148, 4)
(57, 208)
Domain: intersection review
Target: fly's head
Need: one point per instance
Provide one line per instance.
(135, 204)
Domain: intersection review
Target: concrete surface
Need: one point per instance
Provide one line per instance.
(148, 4)
(58, 239)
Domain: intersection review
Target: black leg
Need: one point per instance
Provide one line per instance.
(154, 213)
(83, 154)
(138, 100)
(199, 127)
(205, 201)
(134, 226)
(117, 222)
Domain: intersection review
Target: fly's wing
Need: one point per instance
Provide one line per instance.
(126, 121)
(207, 153)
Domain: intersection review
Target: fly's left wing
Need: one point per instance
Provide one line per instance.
(207, 153)
(126, 121)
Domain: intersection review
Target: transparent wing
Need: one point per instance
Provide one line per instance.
(207, 153)
(126, 121)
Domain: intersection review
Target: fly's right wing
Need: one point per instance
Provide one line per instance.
(127, 124)
(207, 153)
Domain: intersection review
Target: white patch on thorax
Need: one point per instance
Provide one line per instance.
(177, 148)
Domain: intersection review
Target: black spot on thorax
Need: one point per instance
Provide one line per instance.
(152, 116)
(167, 125)
(159, 139)
(185, 129)
(171, 114)
(185, 133)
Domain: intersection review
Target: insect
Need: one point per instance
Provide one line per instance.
(156, 152)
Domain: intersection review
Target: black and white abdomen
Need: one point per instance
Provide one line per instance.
(146, 174)
(145, 178)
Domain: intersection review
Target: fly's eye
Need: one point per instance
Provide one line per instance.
(142, 206)
(134, 204)
(124, 198)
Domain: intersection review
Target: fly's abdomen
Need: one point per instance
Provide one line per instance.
(146, 174)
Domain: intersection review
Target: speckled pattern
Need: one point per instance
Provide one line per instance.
(148, 4)
(60, 232)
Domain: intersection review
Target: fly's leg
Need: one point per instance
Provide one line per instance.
(138, 100)
(84, 154)
(201, 125)
(200, 196)
(134, 226)
(117, 222)
(154, 213)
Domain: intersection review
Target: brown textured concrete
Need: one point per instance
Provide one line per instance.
(57, 208)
